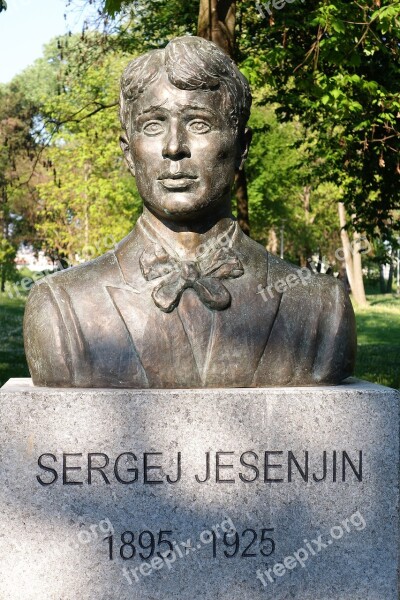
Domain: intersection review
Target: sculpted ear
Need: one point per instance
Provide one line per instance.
(127, 153)
(244, 145)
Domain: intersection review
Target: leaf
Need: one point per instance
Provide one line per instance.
(112, 7)
(338, 27)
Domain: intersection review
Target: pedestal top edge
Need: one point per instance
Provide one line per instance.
(352, 384)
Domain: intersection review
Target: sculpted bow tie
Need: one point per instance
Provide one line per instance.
(203, 275)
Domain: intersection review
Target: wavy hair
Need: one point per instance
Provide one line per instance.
(191, 63)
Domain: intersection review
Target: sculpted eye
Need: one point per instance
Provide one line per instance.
(153, 128)
(199, 127)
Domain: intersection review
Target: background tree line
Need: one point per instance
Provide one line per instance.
(324, 164)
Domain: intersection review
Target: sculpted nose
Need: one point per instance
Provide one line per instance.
(176, 146)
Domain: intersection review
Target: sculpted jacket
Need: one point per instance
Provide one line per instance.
(98, 324)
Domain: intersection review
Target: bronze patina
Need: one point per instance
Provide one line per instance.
(186, 299)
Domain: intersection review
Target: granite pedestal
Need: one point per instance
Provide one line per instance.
(239, 494)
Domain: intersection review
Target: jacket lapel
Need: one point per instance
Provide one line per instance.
(159, 338)
(198, 322)
(241, 333)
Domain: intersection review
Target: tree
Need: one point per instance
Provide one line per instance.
(18, 150)
(90, 199)
(336, 66)
(285, 190)
(331, 67)
(217, 23)
(332, 64)
(63, 184)
(8, 253)
(352, 257)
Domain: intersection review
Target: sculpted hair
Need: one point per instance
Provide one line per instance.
(191, 63)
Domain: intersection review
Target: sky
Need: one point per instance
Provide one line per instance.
(25, 27)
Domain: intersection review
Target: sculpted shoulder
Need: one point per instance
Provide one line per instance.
(104, 269)
(291, 280)
(301, 282)
(299, 286)
(313, 340)
(50, 326)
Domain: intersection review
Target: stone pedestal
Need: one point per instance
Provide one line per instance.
(239, 494)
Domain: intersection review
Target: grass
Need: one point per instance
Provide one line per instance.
(378, 328)
(378, 333)
(12, 356)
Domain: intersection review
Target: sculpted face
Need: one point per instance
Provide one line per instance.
(182, 151)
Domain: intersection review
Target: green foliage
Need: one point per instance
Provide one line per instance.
(90, 199)
(113, 6)
(135, 26)
(335, 66)
(284, 187)
(63, 182)
(273, 169)
(7, 264)
(18, 151)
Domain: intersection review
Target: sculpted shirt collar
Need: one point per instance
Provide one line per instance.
(212, 262)
(224, 234)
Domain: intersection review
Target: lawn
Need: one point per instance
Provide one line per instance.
(378, 333)
(378, 328)
(12, 357)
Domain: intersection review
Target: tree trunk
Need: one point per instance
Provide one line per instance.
(358, 289)
(348, 259)
(386, 278)
(217, 23)
(272, 245)
(307, 203)
(85, 253)
(242, 201)
(382, 279)
(217, 20)
(390, 279)
(3, 279)
(352, 258)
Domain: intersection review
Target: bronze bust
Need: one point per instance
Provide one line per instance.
(186, 299)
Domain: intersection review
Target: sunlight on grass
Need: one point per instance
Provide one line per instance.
(378, 331)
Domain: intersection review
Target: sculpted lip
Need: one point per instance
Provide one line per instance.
(179, 175)
(177, 181)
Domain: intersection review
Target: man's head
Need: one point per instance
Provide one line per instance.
(184, 110)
